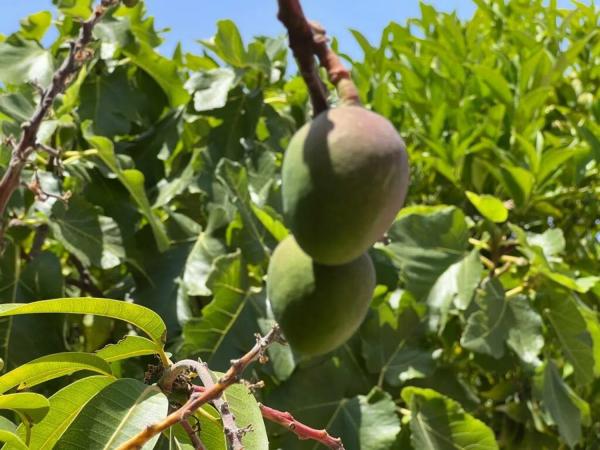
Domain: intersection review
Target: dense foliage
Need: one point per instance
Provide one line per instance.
(484, 329)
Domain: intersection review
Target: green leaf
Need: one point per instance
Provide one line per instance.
(554, 160)
(36, 25)
(13, 440)
(33, 405)
(495, 81)
(234, 177)
(389, 346)
(65, 406)
(456, 285)
(25, 61)
(245, 409)
(439, 423)
(143, 318)
(117, 413)
(50, 367)
(499, 320)
(272, 222)
(489, 206)
(200, 263)
(161, 69)
(487, 328)
(16, 106)
(228, 44)
(128, 347)
(133, 180)
(562, 404)
(212, 334)
(77, 227)
(367, 422)
(569, 325)
(425, 242)
(210, 88)
(518, 182)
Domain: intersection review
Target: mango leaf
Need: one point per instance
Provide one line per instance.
(24, 61)
(128, 347)
(234, 177)
(200, 262)
(489, 206)
(272, 222)
(210, 88)
(161, 69)
(425, 242)
(212, 335)
(439, 423)
(115, 414)
(389, 345)
(35, 26)
(228, 44)
(12, 440)
(133, 180)
(495, 81)
(456, 285)
(499, 321)
(245, 409)
(50, 367)
(16, 106)
(367, 422)
(77, 227)
(566, 409)
(41, 277)
(65, 406)
(569, 325)
(32, 405)
(143, 318)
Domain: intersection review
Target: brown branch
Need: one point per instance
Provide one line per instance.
(231, 377)
(196, 442)
(27, 144)
(86, 281)
(307, 40)
(303, 432)
(302, 44)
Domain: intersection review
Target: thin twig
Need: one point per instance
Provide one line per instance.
(27, 144)
(86, 281)
(231, 377)
(196, 442)
(302, 44)
(303, 432)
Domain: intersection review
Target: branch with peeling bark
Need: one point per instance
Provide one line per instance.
(27, 144)
(232, 376)
(307, 40)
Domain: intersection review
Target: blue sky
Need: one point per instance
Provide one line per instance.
(195, 19)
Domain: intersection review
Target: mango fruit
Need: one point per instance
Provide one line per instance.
(344, 178)
(318, 307)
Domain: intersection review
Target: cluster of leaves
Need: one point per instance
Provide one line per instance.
(484, 329)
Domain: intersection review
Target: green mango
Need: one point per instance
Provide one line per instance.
(344, 178)
(318, 307)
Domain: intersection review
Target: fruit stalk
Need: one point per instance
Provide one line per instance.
(27, 144)
(307, 40)
(304, 432)
(301, 42)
